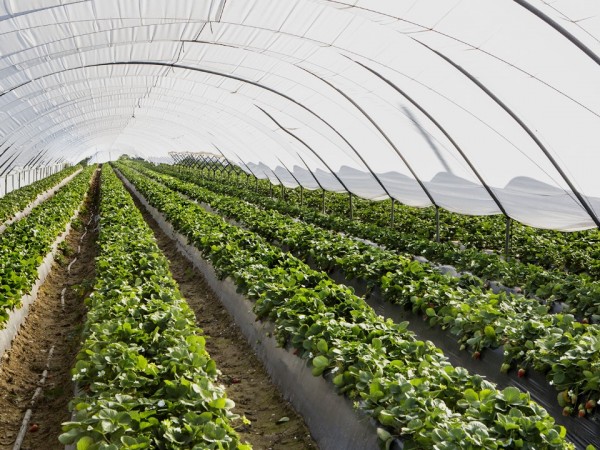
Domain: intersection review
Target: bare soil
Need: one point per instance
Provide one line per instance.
(49, 325)
(244, 376)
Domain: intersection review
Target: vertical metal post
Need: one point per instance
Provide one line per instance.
(323, 202)
(256, 184)
(507, 242)
(393, 215)
(437, 224)
(301, 196)
(19, 180)
(351, 206)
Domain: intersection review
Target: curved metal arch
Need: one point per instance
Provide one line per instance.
(554, 24)
(72, 140)
(108, 118)
(443, 130)
(94, 99)
(247, 48)
(346, 141)
(231, 111)
(382, 132)
(197, 69)
(525, 128)
(125, 107)
(329, 44)
(262, 52)
(307, 146)
(468, 44)
(313, 174)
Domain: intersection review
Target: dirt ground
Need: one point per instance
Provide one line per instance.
(49, 325)
(247, 382)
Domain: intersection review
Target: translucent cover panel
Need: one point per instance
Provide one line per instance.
(478, 107)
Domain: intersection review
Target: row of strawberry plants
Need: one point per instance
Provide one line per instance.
(530, 334)
(25, 243)
(572, 252)
(404, 383)
(145, 377)
(16, 201)
(578, 291)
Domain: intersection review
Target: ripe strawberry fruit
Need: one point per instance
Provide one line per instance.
(476, 355)
(590, 404)
(521, 373)
(34, 427)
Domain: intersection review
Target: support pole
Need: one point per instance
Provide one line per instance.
(323, 202)
(393, 218)
(508, 232)
(437, 224)
(351, 206)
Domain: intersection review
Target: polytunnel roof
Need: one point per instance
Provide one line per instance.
(476, 106)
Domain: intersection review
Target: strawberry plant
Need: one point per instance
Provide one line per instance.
(16, 201)
(145, 378)
(407, 385)
(24, 244)
(480, 318)
(578, 290)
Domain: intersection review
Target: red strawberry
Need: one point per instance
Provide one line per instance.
(581, 413)
(476, 355)
(34, 427)
(591, 404)
(521, 373)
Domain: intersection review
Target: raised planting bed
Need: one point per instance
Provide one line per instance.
(17, 204)
(407, 385)
(578, 291)
(480, 318)
(145, 378)
(27, 250)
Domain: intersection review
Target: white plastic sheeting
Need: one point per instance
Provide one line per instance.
(476, 106)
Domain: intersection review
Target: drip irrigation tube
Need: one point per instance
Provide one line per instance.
(23, 430)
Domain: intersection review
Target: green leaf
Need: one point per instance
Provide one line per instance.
(489, 332)
(322, 346)
(84, 443)
(512, 395)
(320, 362)
(383, 434)
(70, 436)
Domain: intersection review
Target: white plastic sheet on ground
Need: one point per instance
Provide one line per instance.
(476, 106)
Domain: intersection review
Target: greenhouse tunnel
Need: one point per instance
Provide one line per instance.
(475, 107)
(483, 112)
